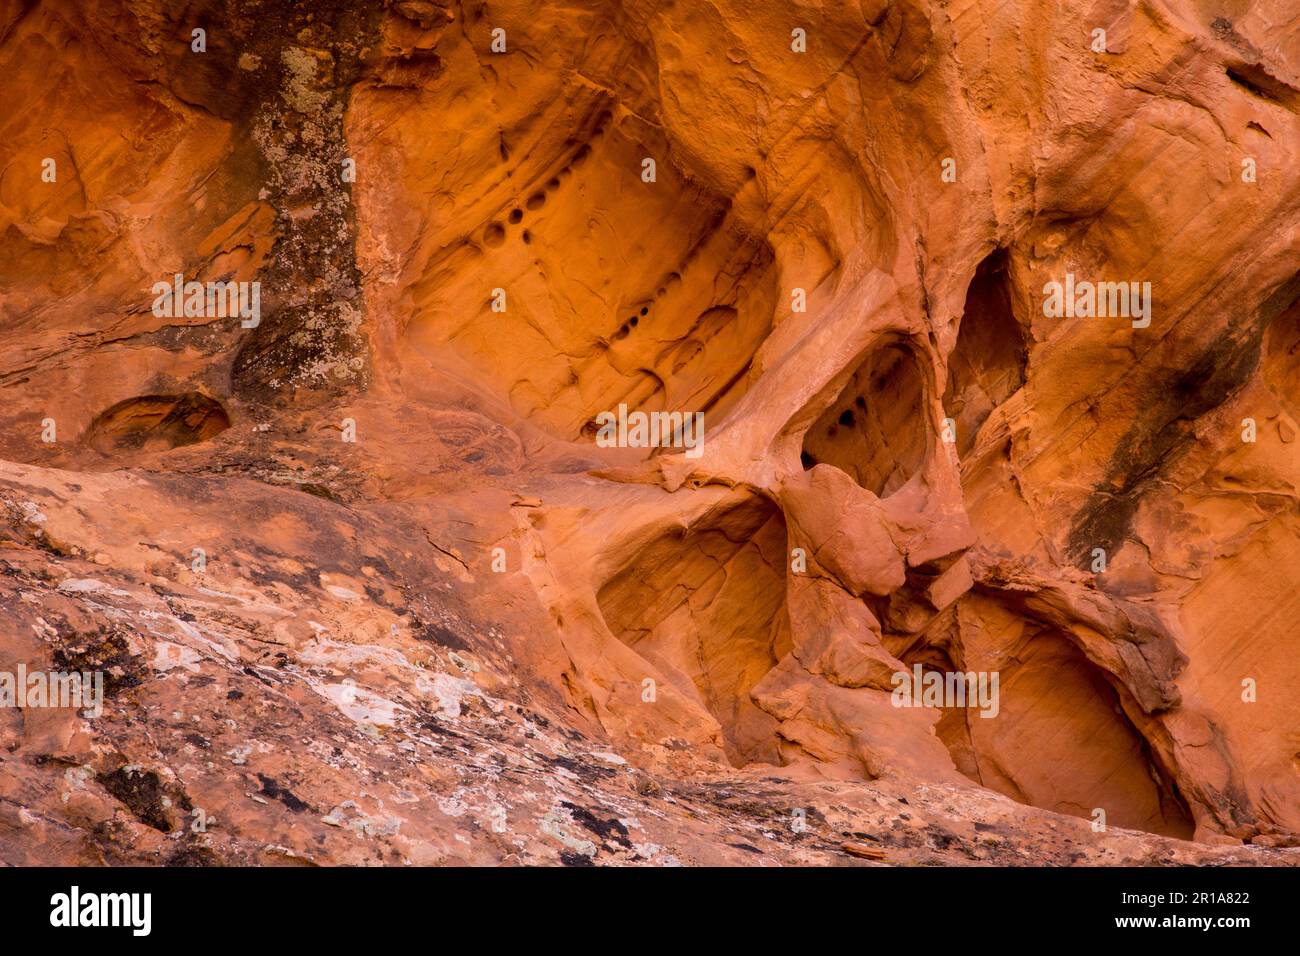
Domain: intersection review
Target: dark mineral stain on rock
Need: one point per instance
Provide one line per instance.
(1161, 435)
(308, 344)
(277, 792)
(142, 792)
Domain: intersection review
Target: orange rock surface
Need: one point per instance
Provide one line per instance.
(369, 576)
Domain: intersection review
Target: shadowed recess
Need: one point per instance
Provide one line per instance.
(988, 365)
(157, 423)
(876, 430)
(1050, 696)
(707, 607)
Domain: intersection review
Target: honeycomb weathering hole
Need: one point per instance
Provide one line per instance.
(654, 296)
(876, 429)
(707, 609)
(157, 423)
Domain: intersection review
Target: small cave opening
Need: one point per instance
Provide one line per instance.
(157, 423)
(1281, 360)
(877, 430)
(1256, 80)
(1052, 732)
(987, 366)
(706, 607)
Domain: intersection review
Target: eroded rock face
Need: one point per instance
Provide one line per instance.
(370, 574)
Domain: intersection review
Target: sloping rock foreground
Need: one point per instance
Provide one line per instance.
(980, 322)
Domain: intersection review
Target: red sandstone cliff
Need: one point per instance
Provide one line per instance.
(365, 581)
